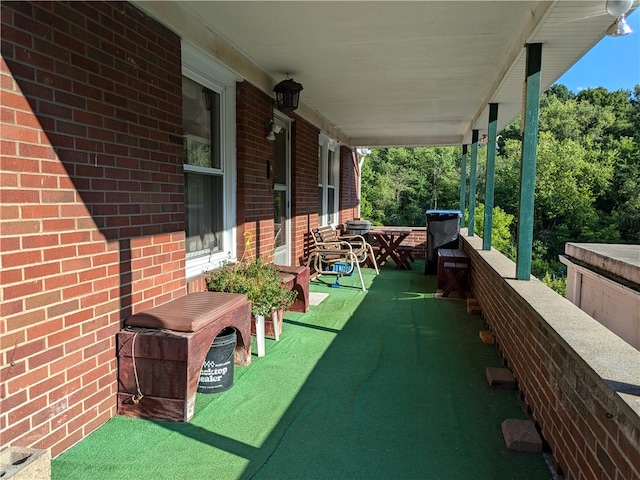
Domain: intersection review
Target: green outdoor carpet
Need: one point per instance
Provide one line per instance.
(387, 384)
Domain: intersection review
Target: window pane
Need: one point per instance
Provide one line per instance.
(203, 214)
(280, 157)
(320, 165)
(333, 169)
(279, 208)
(201, 122)
(320, 209)
(331, 206)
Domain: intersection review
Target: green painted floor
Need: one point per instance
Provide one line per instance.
(387, 384)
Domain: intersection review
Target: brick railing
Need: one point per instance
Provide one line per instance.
(579, 382)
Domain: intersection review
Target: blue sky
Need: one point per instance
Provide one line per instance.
(614, 63)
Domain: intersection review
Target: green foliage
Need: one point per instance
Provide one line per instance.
(556, 283)
(587, 178)
(501, 237)
(258, 280)
(400, 184)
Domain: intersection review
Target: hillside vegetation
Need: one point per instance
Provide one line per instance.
(587, 178)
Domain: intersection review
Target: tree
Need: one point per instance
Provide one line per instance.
(587, 178)
(400, 184)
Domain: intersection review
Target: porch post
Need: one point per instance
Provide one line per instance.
(528, 160)
(463, 182)
(489, 175)
(472, 181)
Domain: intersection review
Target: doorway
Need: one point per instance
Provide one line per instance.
(282, 193)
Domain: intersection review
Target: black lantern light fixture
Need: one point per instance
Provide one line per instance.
(287, 94)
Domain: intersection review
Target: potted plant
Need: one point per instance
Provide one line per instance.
(261, 283)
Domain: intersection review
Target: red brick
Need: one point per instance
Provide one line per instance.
(42, 300)
(13, 401)
(63, 336)
(20, 196)
(40, 241)
(26, 409)
(12, 339)
(21, 258)
(61, 282)
(61, 252)
(26, 288)
(78, 344)
(68, 238)
(43, 329)
(96, 348)
(16, 384)
(12, 276)
(27, 150)
(7, 179)
(25, 319)
(61, 444)
(46, 386)
(78, 317)
(61, 365)
(74, 211)
(95, 374)
(10, 307)
(58, 196)
(62, 308)
(39, 211)
(58, 225)
(66, 415)
(16, 430)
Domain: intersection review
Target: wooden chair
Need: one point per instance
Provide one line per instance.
(334, 258)
(361, 248)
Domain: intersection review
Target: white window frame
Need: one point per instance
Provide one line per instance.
(205, 70)
(326, 145)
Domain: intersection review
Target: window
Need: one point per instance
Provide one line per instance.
(208, 106)
(328, 181)
(204, 190)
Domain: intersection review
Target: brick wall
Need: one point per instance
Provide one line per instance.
(348, 186)
(304, 194)
(92, 206)
(255, 190)
(570, 370)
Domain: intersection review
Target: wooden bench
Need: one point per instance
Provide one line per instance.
(449, 255)
(456, 274)
(166, 347)
(299, 283)
(453, 270)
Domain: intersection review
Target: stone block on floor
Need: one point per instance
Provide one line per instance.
(487, 337)
(17, 463)
(521, 435)
(473, 307)
(500, 378)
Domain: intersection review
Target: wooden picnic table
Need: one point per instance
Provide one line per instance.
(389, 244)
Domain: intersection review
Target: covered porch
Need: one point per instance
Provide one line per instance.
(99, 224)
(391, 383)
(384, 384)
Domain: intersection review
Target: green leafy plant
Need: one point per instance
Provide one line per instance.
(258, 280)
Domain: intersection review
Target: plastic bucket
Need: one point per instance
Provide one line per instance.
(217, 371)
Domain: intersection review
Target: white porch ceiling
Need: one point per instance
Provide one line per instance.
(392, 72)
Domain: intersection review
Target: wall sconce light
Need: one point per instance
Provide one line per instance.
(287, 94)
(483, 140)
(272, 130)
